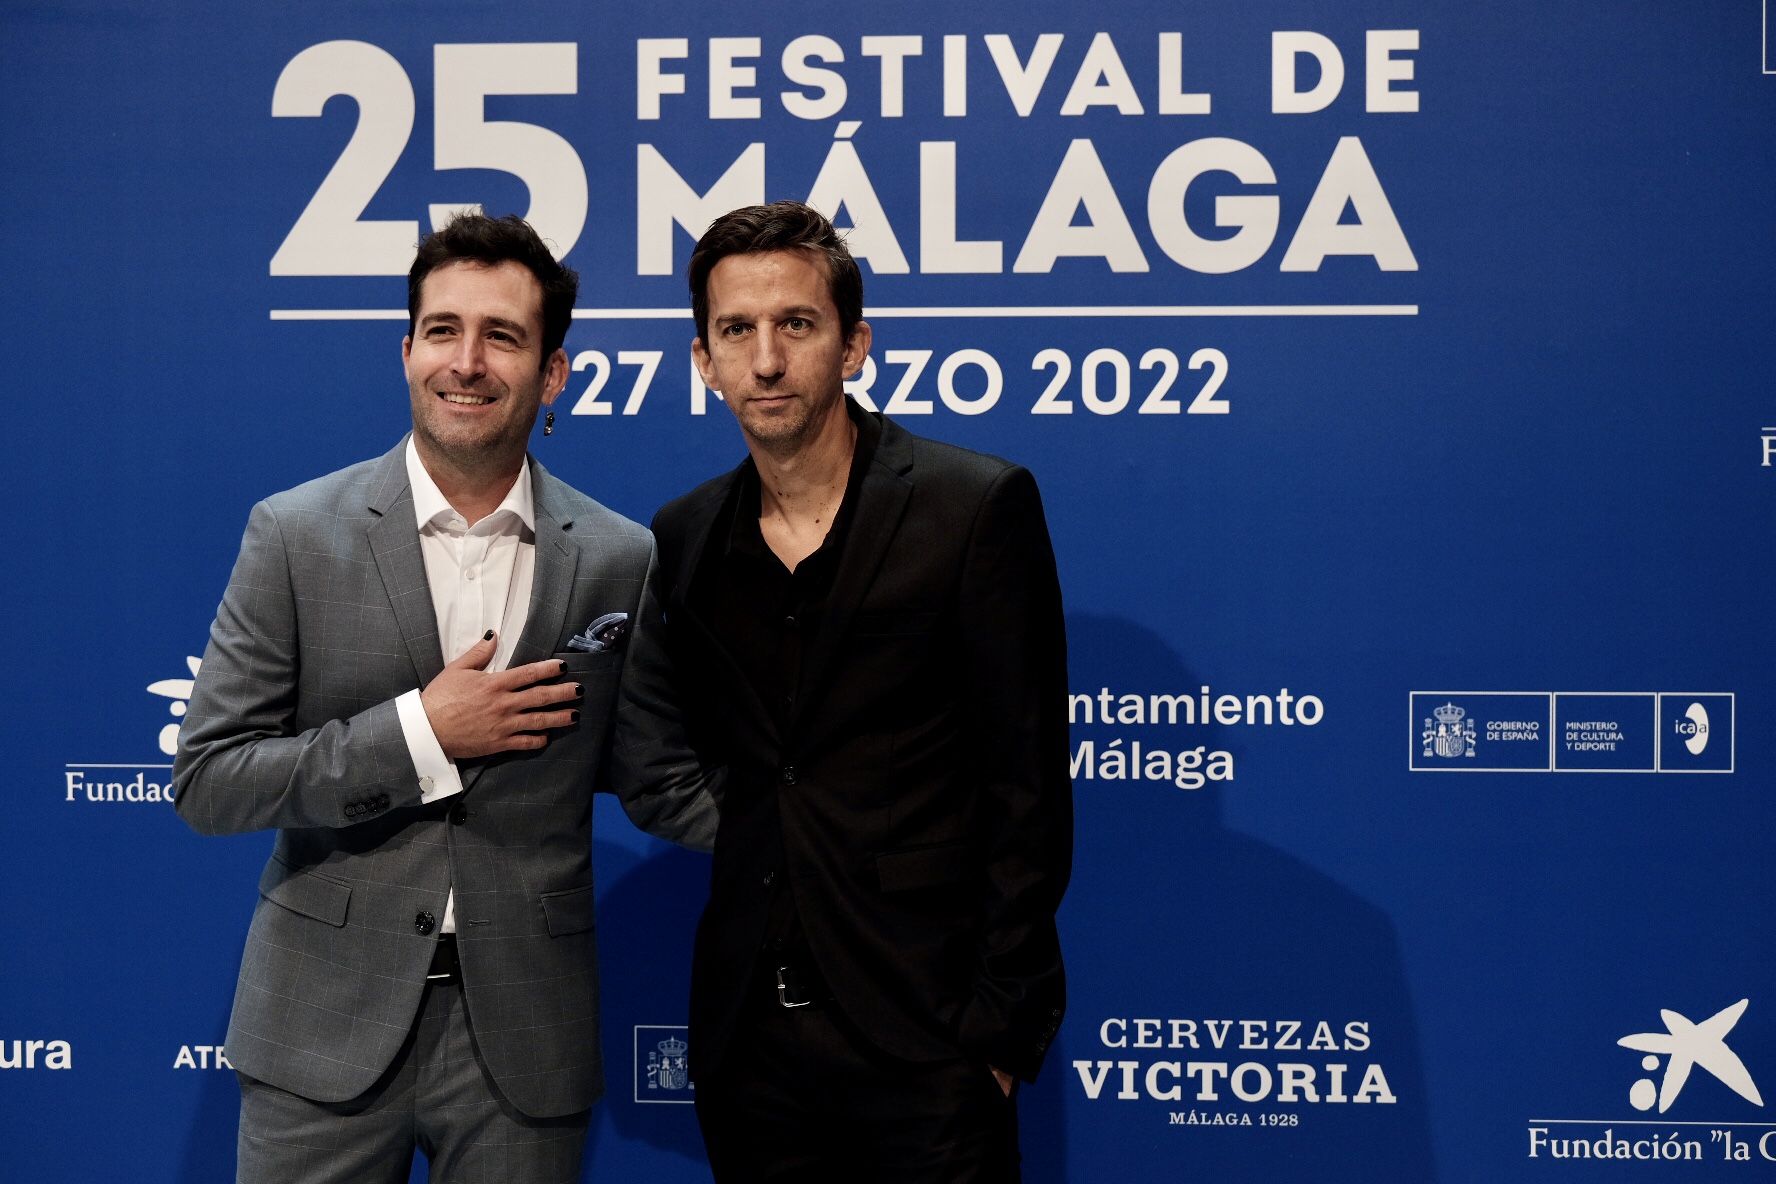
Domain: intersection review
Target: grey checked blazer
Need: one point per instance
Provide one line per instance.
(326, 620)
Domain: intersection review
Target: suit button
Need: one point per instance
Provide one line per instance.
(459, 814)
(770, 878)
(424, 923)
(789, 774)
(789, 622)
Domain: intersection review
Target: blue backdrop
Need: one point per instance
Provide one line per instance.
(1397, 376)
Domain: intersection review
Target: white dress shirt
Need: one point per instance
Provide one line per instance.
(480, 578)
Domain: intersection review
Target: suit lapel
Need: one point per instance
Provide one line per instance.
(557, 560)
(551, 594)
(701, 521)
(394, 542)
(881, 503)
(723, 665)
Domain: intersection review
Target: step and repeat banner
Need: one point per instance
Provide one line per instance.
(1398, 377)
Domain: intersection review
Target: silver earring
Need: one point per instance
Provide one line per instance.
(549, 424)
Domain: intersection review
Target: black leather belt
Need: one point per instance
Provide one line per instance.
(445, 965)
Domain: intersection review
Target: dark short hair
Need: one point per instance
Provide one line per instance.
(780, 226)
(492, 241)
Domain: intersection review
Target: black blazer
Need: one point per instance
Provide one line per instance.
(919, 799)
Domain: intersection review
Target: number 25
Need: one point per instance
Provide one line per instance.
(332, 238)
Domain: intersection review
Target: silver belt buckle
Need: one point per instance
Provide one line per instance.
(783, 991)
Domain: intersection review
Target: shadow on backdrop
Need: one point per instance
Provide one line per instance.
(1173, 916)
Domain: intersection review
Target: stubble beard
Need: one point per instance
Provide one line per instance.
(484, 453)
(785, 432)
(779, 432)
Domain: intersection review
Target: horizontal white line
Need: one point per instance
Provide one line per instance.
(338, 314)
(1159, 310)
(1637, 1122)
(948, 312)
(112, 765)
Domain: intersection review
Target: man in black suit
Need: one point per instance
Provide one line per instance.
(867, 629)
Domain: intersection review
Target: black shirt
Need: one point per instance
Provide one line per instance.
(769, 616)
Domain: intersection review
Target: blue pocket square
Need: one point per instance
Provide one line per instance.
(608, 632)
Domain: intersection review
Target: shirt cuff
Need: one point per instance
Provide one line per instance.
(438, 777)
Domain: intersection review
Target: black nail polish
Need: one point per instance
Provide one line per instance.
(579, 690)
(487, 636)
(574, 717)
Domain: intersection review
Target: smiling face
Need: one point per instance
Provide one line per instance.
(475, 368)
(775, 351)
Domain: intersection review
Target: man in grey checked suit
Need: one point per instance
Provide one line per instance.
(414, 677)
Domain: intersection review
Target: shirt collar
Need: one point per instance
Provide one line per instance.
(744, 536)
(430, 506)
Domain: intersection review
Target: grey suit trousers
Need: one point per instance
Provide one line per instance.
(435, 1096)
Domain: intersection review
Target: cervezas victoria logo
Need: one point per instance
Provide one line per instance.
(1269, 1072)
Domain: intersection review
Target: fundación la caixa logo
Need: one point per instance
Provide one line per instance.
(132, 782)
(1673, 1057)
(1687, 1046)
(1572, 732)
